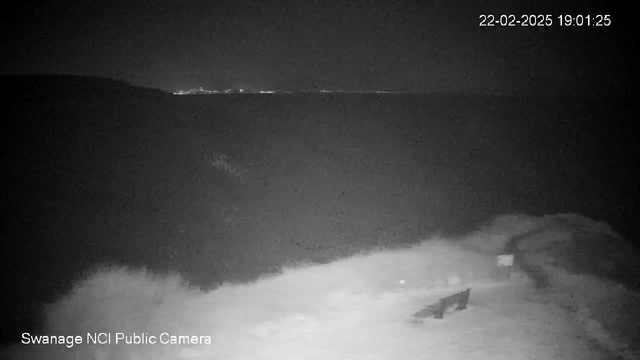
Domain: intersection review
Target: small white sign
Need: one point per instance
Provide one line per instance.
(505, 260)
(453, 280)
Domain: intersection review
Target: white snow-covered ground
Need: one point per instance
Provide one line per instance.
(353, 308)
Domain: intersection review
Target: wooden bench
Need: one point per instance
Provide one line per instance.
(437, 310)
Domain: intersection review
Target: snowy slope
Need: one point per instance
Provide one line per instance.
(353, 308)
(499, 324)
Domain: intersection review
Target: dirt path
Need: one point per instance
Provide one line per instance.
(604, 310)
(501, 322)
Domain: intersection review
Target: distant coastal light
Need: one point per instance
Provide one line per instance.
(200, 91)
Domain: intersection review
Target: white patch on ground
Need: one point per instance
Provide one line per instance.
(354, 308)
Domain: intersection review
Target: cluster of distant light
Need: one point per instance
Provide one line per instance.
(243, 91)
(226, 91)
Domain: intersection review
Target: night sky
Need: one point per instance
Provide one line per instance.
(423, 46)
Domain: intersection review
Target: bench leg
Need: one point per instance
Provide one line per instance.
(439, 311)
(463, 300)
